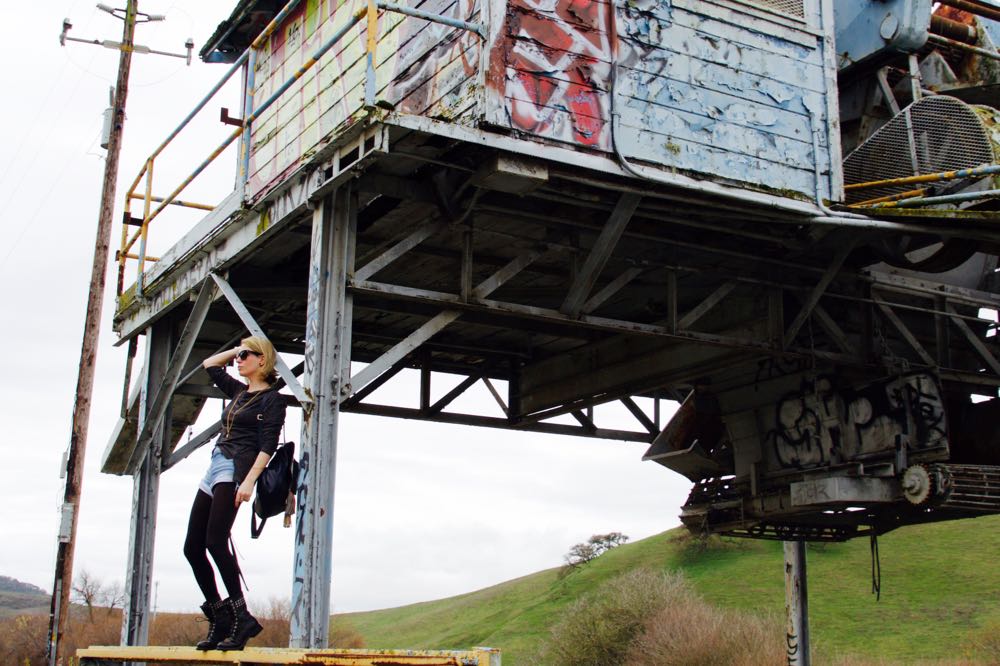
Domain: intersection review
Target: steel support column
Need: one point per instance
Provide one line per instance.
(145, 493)
(796, 604)
(327, 364)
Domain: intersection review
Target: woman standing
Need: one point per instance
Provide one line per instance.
(251, 423)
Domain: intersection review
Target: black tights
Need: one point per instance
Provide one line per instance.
(211, 520)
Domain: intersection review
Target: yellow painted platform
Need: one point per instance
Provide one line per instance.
(101, 655)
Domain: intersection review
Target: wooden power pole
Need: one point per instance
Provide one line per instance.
(63, 583)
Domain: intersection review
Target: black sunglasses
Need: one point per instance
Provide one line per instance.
(244, 353)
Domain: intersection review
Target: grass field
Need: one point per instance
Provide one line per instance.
(940, 594)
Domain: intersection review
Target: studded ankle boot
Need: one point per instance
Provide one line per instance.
(220, 623)
(245, 626)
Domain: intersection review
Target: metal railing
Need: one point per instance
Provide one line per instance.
(248, 59)
(915, 198)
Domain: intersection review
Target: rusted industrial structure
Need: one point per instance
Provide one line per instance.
(780, 214)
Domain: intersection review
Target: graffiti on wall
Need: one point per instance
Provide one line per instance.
(818, 425)
(552, 64)
(692, 87)
(448, 56)
(421, 68)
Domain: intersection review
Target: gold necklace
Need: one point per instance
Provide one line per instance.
(233, 410)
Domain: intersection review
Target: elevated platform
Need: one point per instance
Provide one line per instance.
(574, 204)
(685, 277)
(189, 656)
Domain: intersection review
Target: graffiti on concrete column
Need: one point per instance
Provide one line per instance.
(792, 648)
(820, 425)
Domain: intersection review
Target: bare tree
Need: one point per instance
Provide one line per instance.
(113, 596)
(87, 590)
(596, 545)
(92, 593)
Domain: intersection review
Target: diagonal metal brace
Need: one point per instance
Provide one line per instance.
(903, 330)
(974, 340)
(384, 362)
(600, 253)
(398, 250)
(436, 324)
(195, 443)
(244, 314)
(158, 406)
(819, 289)
(702, 308)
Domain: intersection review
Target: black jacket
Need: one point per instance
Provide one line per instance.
(255, 418)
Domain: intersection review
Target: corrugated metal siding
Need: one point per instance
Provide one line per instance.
(421, 68)
(713, 87)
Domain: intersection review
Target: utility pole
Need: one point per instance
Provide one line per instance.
(63, 582)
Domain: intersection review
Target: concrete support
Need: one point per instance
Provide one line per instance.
(796, 604)
(145, 493)
(327, 367)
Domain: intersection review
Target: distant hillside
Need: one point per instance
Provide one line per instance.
(940, 593)
(17, 597)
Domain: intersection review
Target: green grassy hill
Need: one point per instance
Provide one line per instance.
(940, 591)
(17, 598)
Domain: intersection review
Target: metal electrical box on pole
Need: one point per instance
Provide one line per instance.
(88, 355)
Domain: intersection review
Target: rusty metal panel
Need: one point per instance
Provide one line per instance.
(421, 67)
(712, 87)
(480, 656)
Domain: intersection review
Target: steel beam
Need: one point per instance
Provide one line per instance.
(550, 315)
(496, 396)
(833, 329)
(329, 311)
(500, 423)
(702, 308)
(196, 442)
(611, 289)
(448, 397)
(903, 330)
(600, 252)
(401, 350)
(398, 250)
(831, 271)
(244, 314)
(175, 367)
(372, 386)
(640, 415)
(974, 340)
(145, 495)
(584, 420)
(506, 272)
(438, 323)
(796, 604)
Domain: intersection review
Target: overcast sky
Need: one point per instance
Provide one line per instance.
(422, 511)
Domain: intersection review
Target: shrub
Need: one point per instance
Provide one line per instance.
(689, 632)
(597, 630)
(23, 639)
(177, 629)
(985, 641)
(343, 634)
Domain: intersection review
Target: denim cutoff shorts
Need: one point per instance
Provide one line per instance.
(220, 470)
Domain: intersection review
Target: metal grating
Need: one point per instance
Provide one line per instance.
(938, 133)
(788, 8)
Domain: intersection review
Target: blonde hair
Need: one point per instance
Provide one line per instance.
(263, 346)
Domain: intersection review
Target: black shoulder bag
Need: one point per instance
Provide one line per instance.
(276, 488)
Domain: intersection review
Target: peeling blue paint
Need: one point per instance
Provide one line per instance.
(701, 89)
